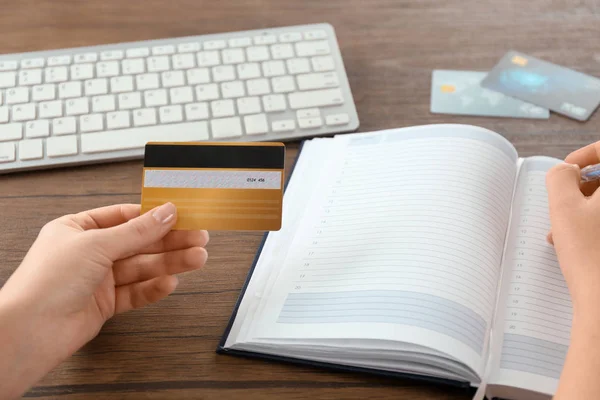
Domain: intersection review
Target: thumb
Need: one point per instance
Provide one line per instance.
(562, 182)
(138, 233)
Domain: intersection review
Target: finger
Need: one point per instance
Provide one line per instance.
(562, 182)
(144, 267)
(176, 240)
(139, 294)
(129, 238)
(106, 217)
(585, 156)
(549, 238)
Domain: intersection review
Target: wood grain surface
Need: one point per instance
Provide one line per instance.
(390, 48)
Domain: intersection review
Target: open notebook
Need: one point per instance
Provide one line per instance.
(418, 251)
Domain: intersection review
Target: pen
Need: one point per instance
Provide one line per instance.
(590, 173)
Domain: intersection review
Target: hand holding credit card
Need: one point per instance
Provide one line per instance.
(216, 186)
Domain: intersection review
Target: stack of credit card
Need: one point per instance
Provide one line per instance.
(519, 86)
(216, 186)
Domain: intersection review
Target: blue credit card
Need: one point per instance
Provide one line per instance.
(563, 90)
(460, 93)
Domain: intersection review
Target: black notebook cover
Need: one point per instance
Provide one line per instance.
(317, 364)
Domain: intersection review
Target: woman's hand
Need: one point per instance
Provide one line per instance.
(83, 269)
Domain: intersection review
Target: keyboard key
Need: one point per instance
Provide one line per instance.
(111, 55)
(43, 92)
(257, 87)
(120, 84)
(226, 127)
(273, 68)
(317, 81)
(214, 44)
(173, 78)
(314, 48)
(77, 106)
(117, 120)
(170, 114)
(222, 108)
(188, 47)
(23, 112)
(61, 146)
(316, 98)
(31, 149)
(59, 60)
(208, 58)
(64, 126)
(51, 109)
(36, 129)
(290, 37)
(223, 73)
(103, 103)
(82, 71)
(274, 102)
(248, 71)
(158, 63)
(7, 151)
(232, 89)
(337, 119)
(181, 95)
(233, 56)
(56, 74)
(156, 97)
(183, 61)
(129, 101)
(7, 79)
(30, 77)
(298, 65)
(107, 68)
(3, 114)
(207, 92)
(17, 95)
(196, 111)
(69, 89)
(198, 75)
(286, 125)
(144, 116)
(147, 81)
(136, 138)
(11, 132)
(322, 63)
(316, 34)
(308, 123)
(265, 39)
(256, 124)
(283, 84)
(85, 58)
(258, 53)
(240, 42)
(280, 51)
(308, 113)
(248, 105)
(162, 50)
(137, 52)
(33, 63)
(96, 86)
(8, 65)
(133, 66)
(91, 123)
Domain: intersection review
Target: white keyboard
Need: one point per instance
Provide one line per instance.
(104, 103)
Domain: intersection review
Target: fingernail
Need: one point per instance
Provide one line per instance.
(165, 213)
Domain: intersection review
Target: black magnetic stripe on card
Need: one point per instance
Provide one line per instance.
(200, 156)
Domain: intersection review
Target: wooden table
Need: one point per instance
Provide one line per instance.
(389, 47)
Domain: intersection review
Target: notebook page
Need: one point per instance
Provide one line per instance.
(403, 242)
(537, 318)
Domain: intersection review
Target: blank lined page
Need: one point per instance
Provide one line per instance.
(407, 230)
(537, 318)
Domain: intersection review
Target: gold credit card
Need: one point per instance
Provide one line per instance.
(216, 185)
